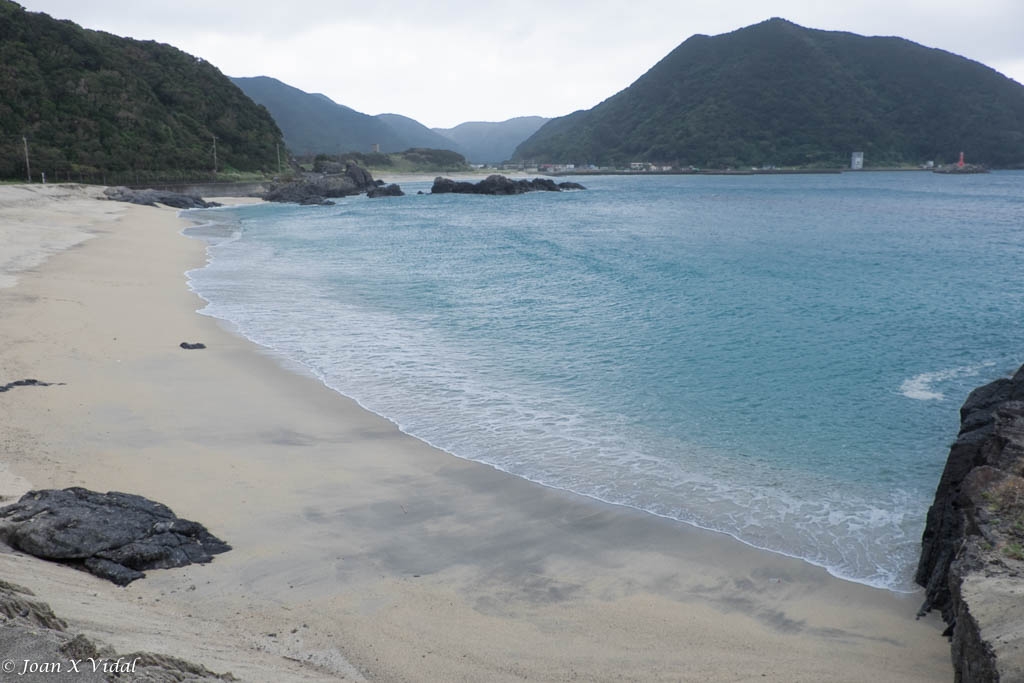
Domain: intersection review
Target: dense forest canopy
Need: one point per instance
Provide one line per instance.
(88, 101)
(779, 94)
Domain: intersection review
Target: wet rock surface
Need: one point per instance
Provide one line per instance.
(391, 190)
(116, 536)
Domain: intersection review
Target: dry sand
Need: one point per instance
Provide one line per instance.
(359, 551)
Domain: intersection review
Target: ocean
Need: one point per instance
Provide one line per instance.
(779, 358)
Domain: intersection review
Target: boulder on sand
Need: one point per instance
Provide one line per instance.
(115, 536)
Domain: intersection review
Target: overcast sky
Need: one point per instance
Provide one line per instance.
(445, 62)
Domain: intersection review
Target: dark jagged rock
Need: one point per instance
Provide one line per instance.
(500, 185)
(392, 190)
(972, 549)
(317, 188)
(191, 346)
(116, 536)
(26, 383)
(153, 197)
(359, 176)
(449, 186)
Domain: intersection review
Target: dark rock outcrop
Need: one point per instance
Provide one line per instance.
(972, 549)
(153, 197)
(568, 185)
(392, 190)
(318, 188)
(500, 185)
(115, 536)
(190, 346)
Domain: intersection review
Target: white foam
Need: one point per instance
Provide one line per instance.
(920, 387)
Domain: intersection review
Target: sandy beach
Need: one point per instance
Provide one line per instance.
(360, 552)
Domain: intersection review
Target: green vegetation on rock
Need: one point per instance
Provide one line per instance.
(779, 94)
(91, 102)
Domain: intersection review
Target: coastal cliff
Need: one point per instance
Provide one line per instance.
(972, 550)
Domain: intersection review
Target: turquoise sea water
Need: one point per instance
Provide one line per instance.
(781, 358)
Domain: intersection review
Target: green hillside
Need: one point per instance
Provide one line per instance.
(415, 135)
(91, 102)
(777, 93)
(315, 124)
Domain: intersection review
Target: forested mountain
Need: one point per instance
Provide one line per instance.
(778, 93)
(315, 124)
(491, 143)
(88, 101)
(416, 135)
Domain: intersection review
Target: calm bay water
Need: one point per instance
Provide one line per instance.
(781, 358)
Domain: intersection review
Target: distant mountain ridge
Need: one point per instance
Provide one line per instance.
(89, 102)
(415, 134)
(778, 93)
(492, 143)
(315, 124)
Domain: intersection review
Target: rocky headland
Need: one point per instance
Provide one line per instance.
(327, 182)
(972, 554)
(500, 185)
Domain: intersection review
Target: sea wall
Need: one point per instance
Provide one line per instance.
(972, 550)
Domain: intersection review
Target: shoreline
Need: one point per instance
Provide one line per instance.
(387, 557)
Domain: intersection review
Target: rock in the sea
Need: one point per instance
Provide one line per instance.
(972, 549)
(392, 190)
(116, 536)
(317, 188)
(153, 197)
(449, 186)
(500, 185)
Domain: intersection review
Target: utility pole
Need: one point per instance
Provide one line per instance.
(28, 169)
(277, 146)
(215, 156)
